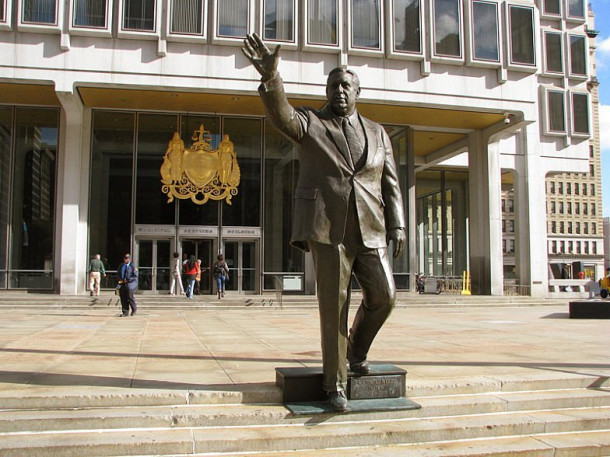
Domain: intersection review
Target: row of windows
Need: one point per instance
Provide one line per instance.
(559, 188)
(508, 226)
(558, 208)
(566, 108)
(508, 205)
(573, 228)
(575, 46)
(573, 247)
(459, 30)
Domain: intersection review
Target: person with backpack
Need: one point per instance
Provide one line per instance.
(221, 274)
(191, 269)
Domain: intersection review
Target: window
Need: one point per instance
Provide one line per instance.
(593, 213)
(561, 188)
(553, 52)
(569, 188)
(576, 9)
(592, 185)
(2, 11)
(553, 227)
(187, 17)
(551, 7)
(577, 188)
(592, 174)
(578, 56)
(553, 246)
(232, 18)
(577, 208)
(322, 22)
(279, 20)
(586, 228)
(569, 207)
(90, 14)
(139, 15)
(521, 26)
(560, 207)
(39, 12)
(580, 114)
(578, 228)
(485, 31)
(552, 186)
(553, 207)
(407, 26)
(556, 116)
(593, 228)
(447, 28)
(365, 24)
(584, 188)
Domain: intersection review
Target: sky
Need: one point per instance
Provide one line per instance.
(601, 8)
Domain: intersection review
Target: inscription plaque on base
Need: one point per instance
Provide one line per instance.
(376, 387)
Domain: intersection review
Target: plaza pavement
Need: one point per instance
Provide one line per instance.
(56, 350)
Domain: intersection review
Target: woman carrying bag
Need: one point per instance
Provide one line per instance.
(221, 274)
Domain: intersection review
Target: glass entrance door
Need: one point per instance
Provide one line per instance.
(241, 257)
(153, 263)
(202, 249)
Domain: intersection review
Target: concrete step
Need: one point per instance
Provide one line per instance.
(74, 397)
(579, 444)
(314, 434)
(13, 421)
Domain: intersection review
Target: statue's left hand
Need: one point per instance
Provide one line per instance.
(261, 57)
(398, 237)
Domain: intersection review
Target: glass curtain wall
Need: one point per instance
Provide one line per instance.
(441, 222)
(154, 130)
(113, 145)
(281, 173)
(246, 135)
(6, 124)
(28, 148)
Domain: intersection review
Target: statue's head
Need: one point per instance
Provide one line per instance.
(342, 90)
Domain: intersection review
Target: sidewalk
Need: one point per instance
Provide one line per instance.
(46, 350)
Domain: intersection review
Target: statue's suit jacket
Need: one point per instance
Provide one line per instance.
(327, 175)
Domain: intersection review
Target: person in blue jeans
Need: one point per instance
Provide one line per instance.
(191, 269)
(221, 274)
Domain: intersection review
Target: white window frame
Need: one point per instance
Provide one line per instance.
(8, 16)
(547, 72)
(295, 27)
(41, 27)
(232, 41)
(546, 15)
(570, 18)
(350, 30)
(518, 66)
(391, 51)
(434, 57)
(183, 37)
(469, 22)
(140, 34)
(88, 30)
(546, 113)
(570, 106)
(320, 47)
(569, 54)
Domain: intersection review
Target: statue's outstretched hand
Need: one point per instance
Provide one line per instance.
(261, 57)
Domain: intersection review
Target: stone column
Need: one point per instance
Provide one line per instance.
(72, 197)
(486, 268)
(530, 202)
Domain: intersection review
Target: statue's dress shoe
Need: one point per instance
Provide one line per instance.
(337, 401)
(360, 368)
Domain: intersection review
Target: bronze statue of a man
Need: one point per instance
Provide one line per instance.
(348, 206)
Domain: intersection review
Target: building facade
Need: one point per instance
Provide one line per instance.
(473, 94)
(573, 204)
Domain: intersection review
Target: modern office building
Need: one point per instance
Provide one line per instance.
(472, 94)
(573, 204)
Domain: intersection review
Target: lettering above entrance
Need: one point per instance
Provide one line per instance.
(200, 172)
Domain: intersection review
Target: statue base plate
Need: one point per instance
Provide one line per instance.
(354, 406)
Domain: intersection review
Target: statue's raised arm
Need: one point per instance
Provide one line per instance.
(261, 57)
(281, 114)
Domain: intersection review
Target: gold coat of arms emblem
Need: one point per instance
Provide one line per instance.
(200, 172)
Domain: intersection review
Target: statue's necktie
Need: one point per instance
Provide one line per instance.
(355, 146)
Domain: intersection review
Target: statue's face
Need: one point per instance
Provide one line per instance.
(342, 91)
